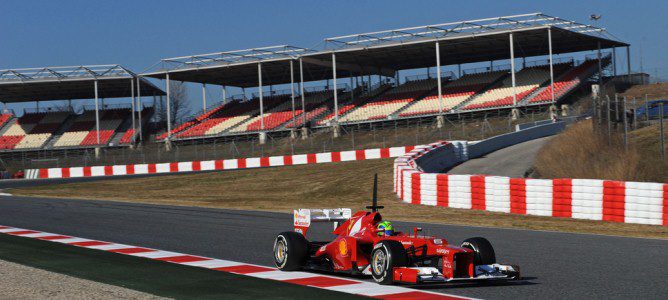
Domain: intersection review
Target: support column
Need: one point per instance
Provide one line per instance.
(97, 121)
(133, 108)
(439, 119)
(512, 68)
(262, 136)
(169, 109)
(97, 114)
(614, 61)
(549, 38)
(336, 97)
(204, 97)
(301, 90)
(141, 128)
(515, 112)
(292, 98)
(600, 67)
(352, 88)
(628, 62)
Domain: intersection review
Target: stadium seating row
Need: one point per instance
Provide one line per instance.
(526, 81)
(33, 130)
(83, 131)
(453, 93)
(243, 116)
(566, 82)
(389, 102)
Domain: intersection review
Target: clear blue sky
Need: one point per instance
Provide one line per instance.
(137, 34)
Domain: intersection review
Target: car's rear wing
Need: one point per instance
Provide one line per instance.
(304, 217)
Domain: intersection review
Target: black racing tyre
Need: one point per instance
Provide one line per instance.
(483, 250)
(386, 256)
(290, 251)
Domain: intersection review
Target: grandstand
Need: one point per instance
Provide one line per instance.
(353, 57)
(49, 128)
(417, 97)
(384, 54)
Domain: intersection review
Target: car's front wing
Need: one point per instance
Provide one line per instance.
(418, 275)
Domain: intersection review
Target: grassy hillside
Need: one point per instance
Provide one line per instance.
(653, 91)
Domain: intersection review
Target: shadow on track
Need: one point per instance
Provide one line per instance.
(488, 283)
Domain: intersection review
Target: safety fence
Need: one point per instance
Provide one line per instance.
(416, 181)
(222, 164)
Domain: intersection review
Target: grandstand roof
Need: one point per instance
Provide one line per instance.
(384, 52)
(65, 83)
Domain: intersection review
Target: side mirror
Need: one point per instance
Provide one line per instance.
(416, 230)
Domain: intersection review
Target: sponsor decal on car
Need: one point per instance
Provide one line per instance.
(442, 251)
(302, 218)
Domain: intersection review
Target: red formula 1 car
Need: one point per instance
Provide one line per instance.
(397, 258)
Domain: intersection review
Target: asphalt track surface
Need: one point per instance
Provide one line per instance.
(512, 161)
(556, 265)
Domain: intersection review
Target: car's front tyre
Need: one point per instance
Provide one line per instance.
(290, 251)
(386, 256)
(483, 252)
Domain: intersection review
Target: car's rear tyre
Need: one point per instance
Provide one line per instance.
(386, 256)
(483, 252)
(290, 251)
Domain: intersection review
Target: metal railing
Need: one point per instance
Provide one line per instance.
(431, 75)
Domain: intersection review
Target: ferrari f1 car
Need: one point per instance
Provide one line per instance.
(361, 248)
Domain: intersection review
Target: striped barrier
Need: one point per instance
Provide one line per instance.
(315, 280)
(211, 165)
(592, 199)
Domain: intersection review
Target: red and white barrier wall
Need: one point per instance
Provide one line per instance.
(210, 165)
(607, 200)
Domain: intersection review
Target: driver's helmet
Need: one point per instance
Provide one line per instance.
(385, 228)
